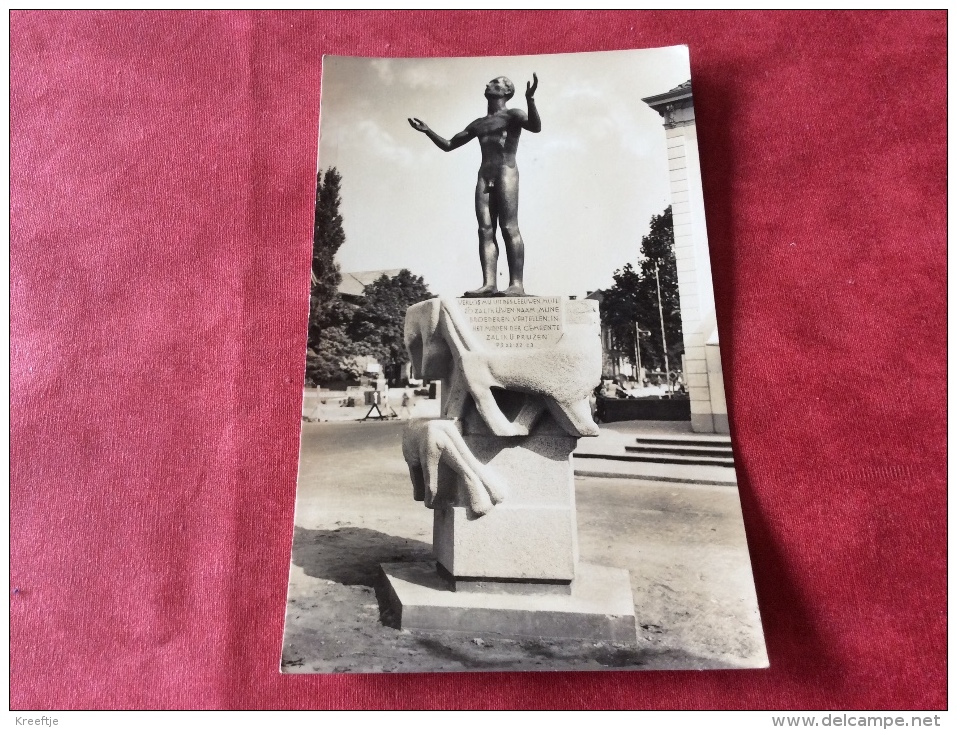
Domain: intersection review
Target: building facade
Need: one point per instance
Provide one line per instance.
(702, 359)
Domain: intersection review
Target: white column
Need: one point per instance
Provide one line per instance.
(703, 374)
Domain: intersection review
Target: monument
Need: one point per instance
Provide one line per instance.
(496, 467)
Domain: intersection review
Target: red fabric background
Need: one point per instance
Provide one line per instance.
(161, 204)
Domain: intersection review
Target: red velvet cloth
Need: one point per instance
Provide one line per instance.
(162, 167)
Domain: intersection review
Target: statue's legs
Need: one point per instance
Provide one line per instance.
(488, 246)
(505, 195)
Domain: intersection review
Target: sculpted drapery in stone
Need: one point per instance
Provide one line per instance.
(558, 379)
(548, 368)
(428, 443)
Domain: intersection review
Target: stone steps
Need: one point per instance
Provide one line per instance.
(689, 439)
(724, 452)
(655, 457)
(650, 473)
(672, 457)
(692, 449)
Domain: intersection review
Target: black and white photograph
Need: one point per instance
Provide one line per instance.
(515, 449)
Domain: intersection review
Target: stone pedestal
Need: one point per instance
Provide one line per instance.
(533, 534)
(510, 565)
(599, 608)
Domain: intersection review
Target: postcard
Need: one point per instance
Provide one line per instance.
(515, 449)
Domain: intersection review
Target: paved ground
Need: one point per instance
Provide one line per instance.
(684, 546)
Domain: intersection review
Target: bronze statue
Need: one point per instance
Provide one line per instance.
(496, 191)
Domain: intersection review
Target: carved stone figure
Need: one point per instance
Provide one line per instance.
(516, 375)
(427, 444)
(560, 379)
(496, 190)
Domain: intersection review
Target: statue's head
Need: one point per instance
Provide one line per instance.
(499, 87)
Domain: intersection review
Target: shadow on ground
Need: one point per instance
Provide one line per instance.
(334, 622)
(351, 555)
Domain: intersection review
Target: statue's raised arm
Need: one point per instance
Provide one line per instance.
(446, 145)
(534, 122)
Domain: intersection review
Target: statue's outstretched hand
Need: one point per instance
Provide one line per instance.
(531, 86)
(418, 124)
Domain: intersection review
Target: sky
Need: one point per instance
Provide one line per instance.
(590, 180)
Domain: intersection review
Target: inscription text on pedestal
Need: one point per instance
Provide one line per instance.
(516, 322)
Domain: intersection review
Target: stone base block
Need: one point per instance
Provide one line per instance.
(521, 542)
(600, 607)
(504, 585)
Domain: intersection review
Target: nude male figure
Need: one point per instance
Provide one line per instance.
(496, 190)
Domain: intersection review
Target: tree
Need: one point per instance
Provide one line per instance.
(633, 300)
(658, 252)
(378, 326)
(330, 346)
(328, 235)
(619, 311)
(329, 317)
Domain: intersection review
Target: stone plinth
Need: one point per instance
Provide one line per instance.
(533, 534)
(510, 542)
(496, 469)
(600, 607)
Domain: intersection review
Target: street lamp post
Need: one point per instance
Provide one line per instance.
(637, 352)
(664, 342)
(639, 333)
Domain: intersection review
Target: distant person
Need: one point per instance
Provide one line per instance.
(597, 402)
(381, 391)
(314, 413)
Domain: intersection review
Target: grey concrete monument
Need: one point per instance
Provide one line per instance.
(496, 468)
